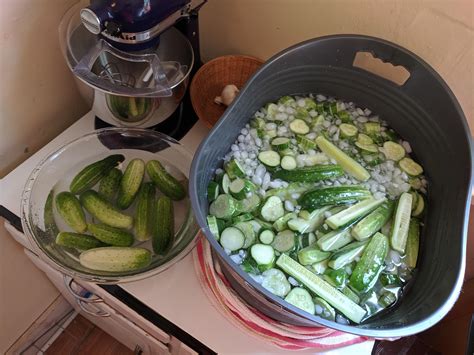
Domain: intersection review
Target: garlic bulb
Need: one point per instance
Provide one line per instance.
(228, 95)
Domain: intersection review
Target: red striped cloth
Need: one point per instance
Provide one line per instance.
(257, 324)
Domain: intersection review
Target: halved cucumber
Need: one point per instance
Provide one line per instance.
(354, 212)
(413, 243)
(298, 126)
(312, 254)
(269, 158)
(232, 239)
(411, 167)
(401, 222)
(393, 151)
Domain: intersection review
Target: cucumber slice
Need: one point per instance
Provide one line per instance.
(401, 222)
(344, 116)
(280, 143)
(257, 123)
(346, 255)
(224, 206)
(287, 101)
(244, 217)
(234, 169)
(354, 212)
(225, 183)
(305, 143)
(370, 265)
(284, 241)
(420, 206)
(115, 259)
(348, 130)
(352, 167)
(212, 191)
(250, 204)
(266, 236)
(315, 284)
(414, 202)
(312, 254)
(288, 162)
(213, 227)
(282, 222)
(336, 239)
(369, 148)
(249, 233)
(413, 243)
(257, 227)
(239, 188)
(272, 110)
(364, 139)
(298, 126)
(264, 256)
(232, 239)
(372, 128)
(373, 222)
(275, 281)
(409, 166)
(393, 151)
(269, 158)
(272, 209)
(301, 298)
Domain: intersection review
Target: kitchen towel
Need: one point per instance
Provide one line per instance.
(249, 319)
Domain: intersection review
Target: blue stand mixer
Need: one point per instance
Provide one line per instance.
(133, 60)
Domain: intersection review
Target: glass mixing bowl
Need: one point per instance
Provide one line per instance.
(54, 174)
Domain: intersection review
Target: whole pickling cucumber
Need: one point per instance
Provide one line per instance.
(309, 173)
(163, 225)
(164, 181)
(143, 216)
(370, 264)
(78, 241)
(115, 259)
(110, 183)
(104, 211)
(71, 211)
(91, 174)
(111, 235)
(335, 195)
(130, 184)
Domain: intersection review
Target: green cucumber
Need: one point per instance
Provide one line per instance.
(213, 226)
(354, 212)
(288, 162)
(280, 143)
(349, 165)
(249, 233)
(413, 243)
(115, 259)
(244, 217)
(393, 151)
(372, 128)
(298, 126)
(346, 255)
(164, 181)
(334, 195)
(234, 169)
(272, 209)
(312, 254)
(71, 211)
(111, 235)
(324, 309)
(348, 130)
(130, 184)
(401, 222)
(249, 204)
(225, 183)
(337, 278)
(269, 158)
(351, 294)
(320, 287)
(282, 222)
(411, 167)
(335, 239)
(78, 241)
(50, 226)
(390, 280)
(300, 298)
(264, 256)
(144, 211)
(266, 236)
(212, 191)
(224, 206)
(239, 188)
(364, 139)
(163, 225)
(373, 222)
(275, 281)
(284, 241)
(91, 174)
(370, 265)
(104, 211)
(309, 173)
(367, 148)
(420, 206)
(232, 239)
(109, 185)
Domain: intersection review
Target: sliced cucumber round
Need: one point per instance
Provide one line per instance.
(232, 239)
(364, 139)
(262, 254)
(348, 130)
(420, 206)
(371, 148)
(288, 162)
(266, 236)
(269, 158)
(272, 209)
(301, 298)
(393, 151)
(411, 167)
(299, 126)
(225, 183)
(275, 281)
(281, 143)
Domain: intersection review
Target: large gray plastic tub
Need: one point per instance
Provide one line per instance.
(424, 111)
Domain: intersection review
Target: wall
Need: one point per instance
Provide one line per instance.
(38, 100)
(440, 31)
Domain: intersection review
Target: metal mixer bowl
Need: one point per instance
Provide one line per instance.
(423, 111)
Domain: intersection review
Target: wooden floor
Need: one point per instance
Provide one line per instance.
(81, 337)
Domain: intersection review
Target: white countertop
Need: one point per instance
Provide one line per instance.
(175, 294)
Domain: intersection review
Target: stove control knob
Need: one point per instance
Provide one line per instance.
(91, 21)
